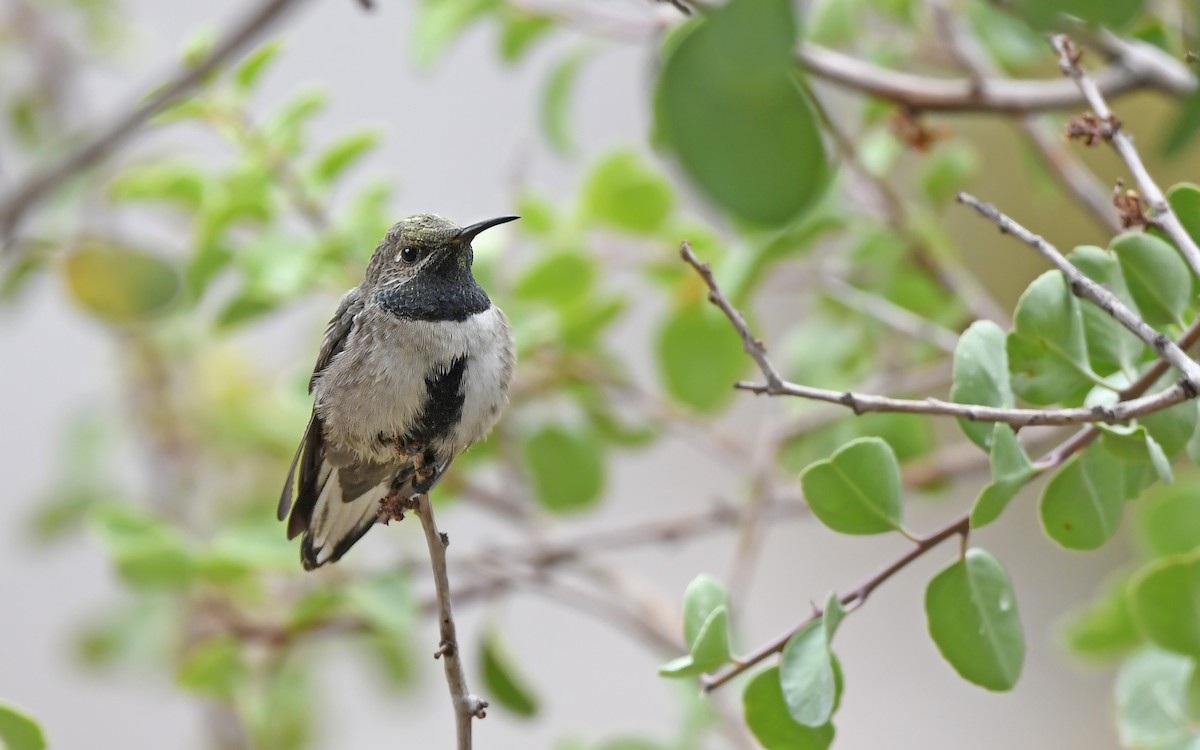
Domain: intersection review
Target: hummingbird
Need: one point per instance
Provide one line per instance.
(414, 368)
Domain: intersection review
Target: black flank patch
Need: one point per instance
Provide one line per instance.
(443, 404)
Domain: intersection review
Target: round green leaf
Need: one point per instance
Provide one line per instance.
(18, 731)
(119, 284)
(559, 279)
(1157, 277)
(1011, 470)
(1106, 627)
(1166, 598)
(731, 111)
(1111, 347)
(1082, 504)
(1047, 348)
(1152, 702)
(704, 595)
(773, 726)
(700, 357)
(709, 649)
(1169, 521)
(857, 489)
(623, 192)
(504, 684)
(981, 376)
(215, 668)
(1184, 199)
(973, 620)
(567, 468)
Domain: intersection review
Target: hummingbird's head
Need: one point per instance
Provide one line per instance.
(423, 267)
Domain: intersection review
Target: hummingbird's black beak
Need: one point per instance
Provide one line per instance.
(469, 233)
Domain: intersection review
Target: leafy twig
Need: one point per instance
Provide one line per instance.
(35, 189)
(861, 403)
(1112, 132)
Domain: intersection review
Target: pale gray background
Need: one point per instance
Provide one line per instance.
(453, 138)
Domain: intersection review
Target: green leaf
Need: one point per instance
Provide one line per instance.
(146, 551)
(342, 154)
(1184, 200)
(1172, 428)
(703, 596)
(18, 731)
(732, 113)
(385, 603)
(556, 101)
(622, 192)
(981, 376)
(1115, 14)
(215, 668)
(250, 71)
(700, 357)
(709, 650)
(178, 182)
(504, 684)
(120, 285)
(1111, 347)
(857, 489)
(1106, 627)
(806, 676)
(521, 30)
(439, 22)
(1166, 598)
(1185, 127)
(1169, 520)
(947, 170)
(768, 717)
(1011, 470)
(1152, 702)
(1081, 505)
(1156, 275)
(567, 468)
(1047, 349)
(973, 620)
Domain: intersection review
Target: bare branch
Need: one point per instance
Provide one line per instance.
(467, 705)
(1084, 287)
(37, 188)
(991, 94)
(1162, 216)
(861, 403)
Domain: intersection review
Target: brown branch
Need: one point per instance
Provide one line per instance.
(15, 206)
(1094, 94)
(987, 94)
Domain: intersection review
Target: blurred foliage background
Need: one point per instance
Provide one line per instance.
(829, 218)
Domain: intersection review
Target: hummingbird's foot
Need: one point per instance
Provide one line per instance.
(403, 448)
(393, 508)
(425, 470)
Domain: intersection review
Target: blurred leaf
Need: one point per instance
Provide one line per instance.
(709, 650)
(248, 73)
(145, 550)
(566, 468)
(1133, 443)
(973, 620)
(1106, 627)
(1115, 14)
(768, 717)
(857, 489)
(731, 112)
(1166, 598)
(1184, 199)
(333, 162)
(18, 730)
(1156, 275)
(703, 596)
(439, 22)
(947, 170)
(623, 192)
(282, 713)
(1152, 702)
(1010, 41)
(385, 602)
(1081, 505)
(700, 357)
(284, 127)
(558, 278)
(214, 668)
(1172, 427)
(1184, 128)
(556, 101)
(120, 285)
(981, 376)
(504, 684)
(833, 22)
(244, 549)
(538, 215)
(178, 181)
(1011, 470)
(521, 29)
(910, 435)
(1169, 519)
(1047, 351)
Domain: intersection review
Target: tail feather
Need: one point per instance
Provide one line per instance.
(340, 516)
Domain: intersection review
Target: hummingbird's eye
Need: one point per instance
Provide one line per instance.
(409, 255)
